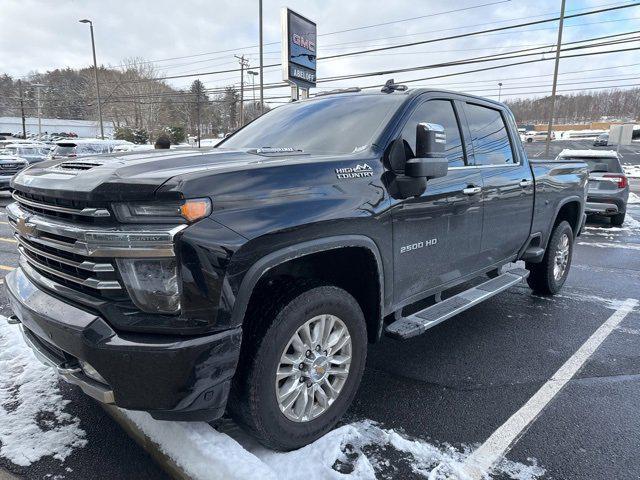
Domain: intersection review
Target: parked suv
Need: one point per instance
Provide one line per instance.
(251, 277)
(84, 148)
(608, 185)
(9, 166)
(32, 152)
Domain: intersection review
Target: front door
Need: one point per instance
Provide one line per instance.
(436, 236)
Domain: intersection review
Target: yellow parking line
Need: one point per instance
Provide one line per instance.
(5, 267)
(10, 240)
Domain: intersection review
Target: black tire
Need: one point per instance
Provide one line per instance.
(618, 220)
(541, 278)
(529, 140)
(253, 402)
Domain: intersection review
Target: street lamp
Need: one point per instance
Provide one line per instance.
(95, 69)
(499, 90)
(253, 85)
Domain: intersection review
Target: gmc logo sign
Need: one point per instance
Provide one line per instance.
(303, 42)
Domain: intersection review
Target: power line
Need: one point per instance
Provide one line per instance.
(478, 32)
(248, 47)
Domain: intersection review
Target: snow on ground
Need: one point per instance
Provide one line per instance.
(33, 423)
(631, 171)
(357, 451)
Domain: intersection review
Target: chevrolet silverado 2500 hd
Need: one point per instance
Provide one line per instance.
(250, 277)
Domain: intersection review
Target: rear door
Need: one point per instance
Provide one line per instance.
(508, 187)
(436, 236)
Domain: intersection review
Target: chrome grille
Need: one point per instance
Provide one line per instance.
(82, 257)
(62, 209)
(11, 168)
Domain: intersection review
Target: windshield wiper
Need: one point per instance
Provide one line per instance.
(278, 150)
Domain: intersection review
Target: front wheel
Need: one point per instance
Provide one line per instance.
(304, 370)
(548, 276)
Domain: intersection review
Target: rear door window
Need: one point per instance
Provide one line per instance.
(442, 113)
(491, 144)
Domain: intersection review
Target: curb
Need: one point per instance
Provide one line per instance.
(152, 448)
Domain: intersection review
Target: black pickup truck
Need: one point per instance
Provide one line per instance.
(249, 278)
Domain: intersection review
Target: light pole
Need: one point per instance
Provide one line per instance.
(261, 60)
(499, 90)
(38, 87)
(253, 85)
(95, 69)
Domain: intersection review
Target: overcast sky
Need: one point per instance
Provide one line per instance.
(40, 35)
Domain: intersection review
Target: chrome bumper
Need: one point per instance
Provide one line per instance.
(601, 208)
(71, 373)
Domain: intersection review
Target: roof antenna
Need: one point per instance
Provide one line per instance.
(391, 86)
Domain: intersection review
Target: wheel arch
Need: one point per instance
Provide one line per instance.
(569, 209)
(306, 250)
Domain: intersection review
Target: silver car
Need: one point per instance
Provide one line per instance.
(608, 185)
(9, 166)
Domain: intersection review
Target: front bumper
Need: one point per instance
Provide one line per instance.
(171, 377)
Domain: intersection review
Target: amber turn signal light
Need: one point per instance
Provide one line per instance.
(195, 209)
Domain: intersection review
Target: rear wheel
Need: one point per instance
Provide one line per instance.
(302, 373)
(548, 276)
(618, 219)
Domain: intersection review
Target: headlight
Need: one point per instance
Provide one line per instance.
(152, 283)
(186, 211)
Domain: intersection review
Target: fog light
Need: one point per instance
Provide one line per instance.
(151, 283)
(91, 372)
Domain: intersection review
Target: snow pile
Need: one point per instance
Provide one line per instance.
(633, 198)
(358, 451)
(33, 423)
(632, 171)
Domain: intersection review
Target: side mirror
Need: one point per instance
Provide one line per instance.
(430, 161)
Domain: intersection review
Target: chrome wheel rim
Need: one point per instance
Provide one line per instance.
(562, 257)
(313, 368)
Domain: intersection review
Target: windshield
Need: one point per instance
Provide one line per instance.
(602, 164)
(333, 125)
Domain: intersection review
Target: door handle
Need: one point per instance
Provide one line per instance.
(471, 190)
(525, 183)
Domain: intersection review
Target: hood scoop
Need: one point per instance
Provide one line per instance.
(77, 166)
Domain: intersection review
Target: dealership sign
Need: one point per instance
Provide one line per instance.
(298, 49)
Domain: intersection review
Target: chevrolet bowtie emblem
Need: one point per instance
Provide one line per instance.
(25, 227)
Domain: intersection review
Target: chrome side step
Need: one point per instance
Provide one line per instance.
(423, 320)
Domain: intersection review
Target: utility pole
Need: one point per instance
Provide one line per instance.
(95, 69)
(198, 114)
(24, 128)
(555, 80)
(261, 73)
(243, 63)
(38, 87)
(499, 90)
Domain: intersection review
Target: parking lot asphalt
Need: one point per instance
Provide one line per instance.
(462, 380)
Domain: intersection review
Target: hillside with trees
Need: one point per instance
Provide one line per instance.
(142, 106)
(132, 98)
(581, 107)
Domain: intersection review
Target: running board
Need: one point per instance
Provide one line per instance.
(420, 322)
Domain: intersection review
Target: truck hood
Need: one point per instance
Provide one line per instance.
(129, 176)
